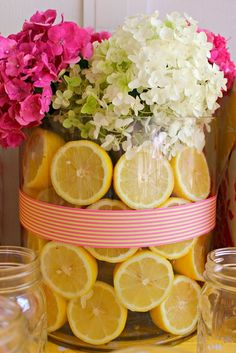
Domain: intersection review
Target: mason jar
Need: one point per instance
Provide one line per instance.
(122, 235)
(20, 281)
(13, 333)
(217, 306)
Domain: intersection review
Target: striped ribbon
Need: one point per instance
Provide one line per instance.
(113, 228)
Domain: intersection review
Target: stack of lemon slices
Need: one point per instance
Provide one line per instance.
(81, 173)
(161, 280)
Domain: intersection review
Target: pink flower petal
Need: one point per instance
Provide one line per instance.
(30, 110)
(6, 46)
(17, 89)
(46, 17)
(100, 36)
(46, 99)
(3, 96)
(15, 138)
(40, 20)
(15, 65)
(221, 56)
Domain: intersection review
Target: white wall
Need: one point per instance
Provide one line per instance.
(216, 15)
(14, 12)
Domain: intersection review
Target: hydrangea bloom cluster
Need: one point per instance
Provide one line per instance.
(221, 56)
(151, 80)
(29, 62)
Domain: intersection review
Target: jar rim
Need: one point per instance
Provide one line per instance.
(221, 267)
(18, 266)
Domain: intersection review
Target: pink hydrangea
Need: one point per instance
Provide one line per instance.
(6, 47)
(221, 56)
(30, 61)
(10, 131)
(100, 36)
(17, 89)
(41, 19)
(31, 112)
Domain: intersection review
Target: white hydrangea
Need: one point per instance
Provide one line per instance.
(154, 73)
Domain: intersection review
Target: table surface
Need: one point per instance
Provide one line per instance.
(185, 347)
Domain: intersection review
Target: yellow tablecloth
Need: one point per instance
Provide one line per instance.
(185, 347)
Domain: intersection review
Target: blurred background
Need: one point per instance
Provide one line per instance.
(215, 15)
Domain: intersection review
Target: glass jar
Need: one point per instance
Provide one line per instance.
(20, 281)
(13, 334)
(217, 322)
(97, 215)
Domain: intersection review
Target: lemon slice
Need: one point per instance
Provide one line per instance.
(50, 195)
(112, 255)
(98, 317)
(30, 192)
(178, 313)
(81, 172)
(174, 250)
(108, 204)
(68, 270)
(34, 241)
(39, 151)
(191, 173)
(143, 281)
(143, 181)
(174, 201)
(193, 263)
(56, 309)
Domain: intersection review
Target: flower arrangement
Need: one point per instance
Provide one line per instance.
(160, 77)
(145, 94)
(30, 64)
(163, 77)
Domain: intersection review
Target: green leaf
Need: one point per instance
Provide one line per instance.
(169, 24)
(67, 123)
(90, 106)
(71, 114)
(73, 81)
(61, 73)
(66, 78)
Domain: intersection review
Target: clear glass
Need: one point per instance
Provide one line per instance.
(20, 281)
(217, 307)
(13, 333)
(37, 156)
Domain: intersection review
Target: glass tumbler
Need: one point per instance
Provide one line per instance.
(13, 334)
(217, 307)
(20, 281)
